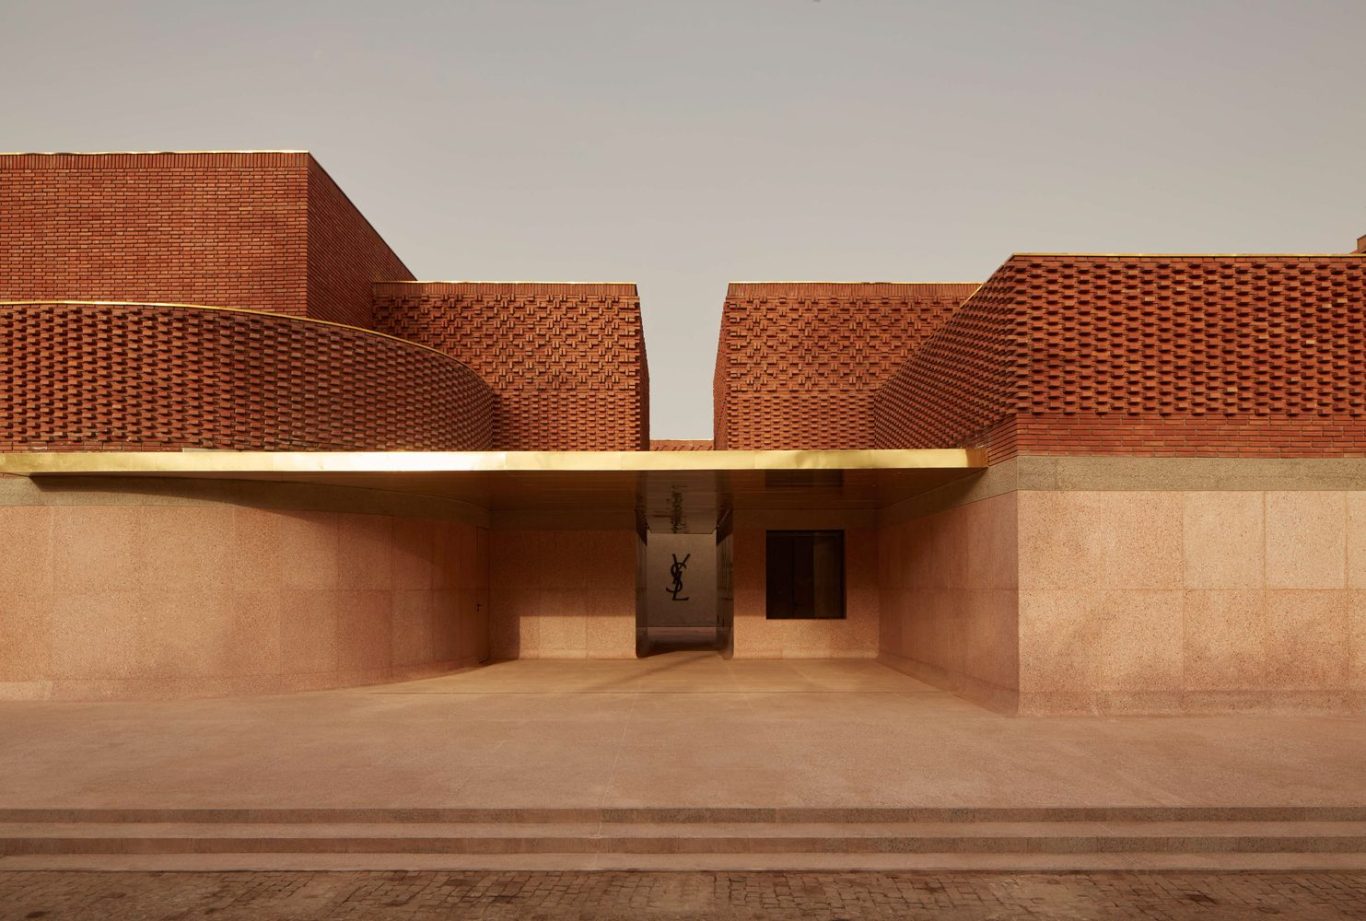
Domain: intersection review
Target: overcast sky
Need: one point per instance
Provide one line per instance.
(681, 145)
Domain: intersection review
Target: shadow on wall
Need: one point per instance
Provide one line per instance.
(150, 594)
(563, 593)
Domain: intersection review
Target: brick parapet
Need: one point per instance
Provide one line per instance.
(798, 363)
(257, 230)
(345, 255)
(1149, 355)
(566, 362)
(212, 228)
(166, 377)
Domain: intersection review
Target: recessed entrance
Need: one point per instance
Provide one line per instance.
(680, 605)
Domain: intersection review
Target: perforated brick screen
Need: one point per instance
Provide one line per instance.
(1147, 355)
(798, 362)
(566, 362)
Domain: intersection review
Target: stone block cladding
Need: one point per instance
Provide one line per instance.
(854, 636)
(1165, 601)
(949, 599)
(143, 377)
(106, 594)
(797, 363)
(1239, 356)
(566, 362)
(563, 594)
(262, 231)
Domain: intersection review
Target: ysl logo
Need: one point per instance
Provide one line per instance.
(676, 570)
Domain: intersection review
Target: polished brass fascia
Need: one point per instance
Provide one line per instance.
(42, 463)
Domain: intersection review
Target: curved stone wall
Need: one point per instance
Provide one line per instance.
(88, 376)
(143, 589)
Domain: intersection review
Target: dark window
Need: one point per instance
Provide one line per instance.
(805, 574)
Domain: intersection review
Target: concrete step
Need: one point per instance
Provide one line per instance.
(1340, 837)
(689, 815)
(1256, 837)
(719, 862)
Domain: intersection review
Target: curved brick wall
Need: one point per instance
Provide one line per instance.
(1145, 355)
(797, 363)
(159, 377)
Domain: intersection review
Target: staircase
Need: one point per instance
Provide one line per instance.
(1298, 838)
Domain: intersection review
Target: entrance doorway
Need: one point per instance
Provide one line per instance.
(681, 604)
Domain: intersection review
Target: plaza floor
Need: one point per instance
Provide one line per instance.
(676, 730)
(573, 896)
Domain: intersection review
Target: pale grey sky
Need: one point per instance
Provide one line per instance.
(681, 145)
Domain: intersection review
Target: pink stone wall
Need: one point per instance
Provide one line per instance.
(199, 599)
(1166, 601)
(949, 599)
(856, 636)
(564, 594)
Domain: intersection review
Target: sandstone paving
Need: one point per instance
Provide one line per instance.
(551, 896)
(684, 729)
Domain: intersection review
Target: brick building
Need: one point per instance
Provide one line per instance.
(242, 449)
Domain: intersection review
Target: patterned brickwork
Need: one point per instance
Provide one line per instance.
(345, 255)
(160, 377)
(1149, 355)
(798, 362)
(262, 231)
(681, 444)
(566, 362)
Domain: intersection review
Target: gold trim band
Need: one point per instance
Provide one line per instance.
(313, 462)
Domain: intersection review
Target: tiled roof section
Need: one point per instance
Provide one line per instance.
(681, 444)
(566, 362)
(1147, 355)
(262, 231)
(798, 362)
(138, 377)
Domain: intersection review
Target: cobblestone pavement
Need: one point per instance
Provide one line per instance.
(267, 896)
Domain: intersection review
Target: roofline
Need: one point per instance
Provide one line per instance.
(1197, 255)
(354, 207)
(308, 155)
(829, 282)
(68, 302)
(125, 153)
(495, 281)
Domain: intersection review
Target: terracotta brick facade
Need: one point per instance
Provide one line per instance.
(1144, 355)
(261, 231)
(797, 363)
(1056, 354)
(154, 377)
(566, 362)
(345, 255)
